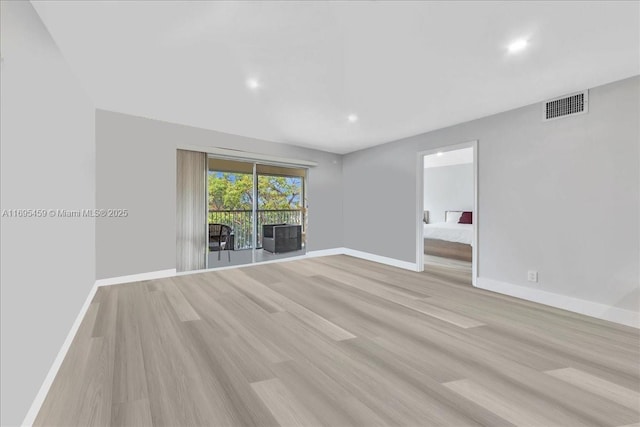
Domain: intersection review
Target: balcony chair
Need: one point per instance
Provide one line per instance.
(220, 239)
(279, 238)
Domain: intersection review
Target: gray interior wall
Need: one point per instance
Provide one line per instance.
(136, 170)
(47, 162)
(560, 197)
(448, 188)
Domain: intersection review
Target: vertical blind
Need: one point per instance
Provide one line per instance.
(191, 211)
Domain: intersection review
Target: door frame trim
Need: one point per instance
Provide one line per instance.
(420, 204)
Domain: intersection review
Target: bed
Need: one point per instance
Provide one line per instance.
(449, 239)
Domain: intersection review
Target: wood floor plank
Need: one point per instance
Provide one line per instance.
(283, 405)
(202, 295)
(106, 317)
(317, 322)
(134, 413)
(537, 323)
(97, 383)
(183, 309)
(599, 386)
(180, 391)
(129, 378)
(221, 313)
(522, 348)
(95, 406)
(367, 285)
(251, 329)
(390, 397)
(225, 371)
(517, 413)
(283, 303)
(325, 397)
(446, 315)
(420, 379)
(379, 276)
(255, 290)
(339, 341)
(422, 306)
(298, 268)
(266, 273)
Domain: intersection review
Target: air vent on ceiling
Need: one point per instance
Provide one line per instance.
(570, 105)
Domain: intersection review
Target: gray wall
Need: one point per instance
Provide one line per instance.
(47, 162)
(448, 188)
(559, 197)
(136, 170)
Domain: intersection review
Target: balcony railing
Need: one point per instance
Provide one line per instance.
(240, 222)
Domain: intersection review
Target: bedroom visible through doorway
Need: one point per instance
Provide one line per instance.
(449, 215)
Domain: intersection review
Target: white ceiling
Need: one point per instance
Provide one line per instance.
(449, 158)
(403, 67)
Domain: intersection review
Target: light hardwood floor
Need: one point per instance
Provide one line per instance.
(338, 341)
(441, 262)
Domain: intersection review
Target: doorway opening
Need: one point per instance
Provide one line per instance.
(448, 211)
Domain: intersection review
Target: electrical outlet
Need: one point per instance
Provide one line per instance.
(532, 276)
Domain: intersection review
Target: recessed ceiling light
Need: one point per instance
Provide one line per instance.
(517, 45)
(253, 84)
(440, 153)
(352, 118)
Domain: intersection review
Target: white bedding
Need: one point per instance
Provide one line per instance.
(451, 232)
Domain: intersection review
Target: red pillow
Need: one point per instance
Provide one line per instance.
(466, 218)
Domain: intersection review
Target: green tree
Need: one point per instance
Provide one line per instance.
(234, 191)
(278, 192)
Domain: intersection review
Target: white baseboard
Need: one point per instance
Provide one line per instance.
(311, 254)
(53, 371)
(160, 274)
(326, 252)
(232, 267)
(319, 253)
(382, 259)
(589, 308)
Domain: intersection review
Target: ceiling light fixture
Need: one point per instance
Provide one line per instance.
(517, 45)
(253, 84)
(352, 118)
(440, 153)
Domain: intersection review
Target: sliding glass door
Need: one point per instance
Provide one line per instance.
(256, 212)
(280, 197)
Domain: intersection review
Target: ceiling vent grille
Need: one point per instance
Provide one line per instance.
(577, 103)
